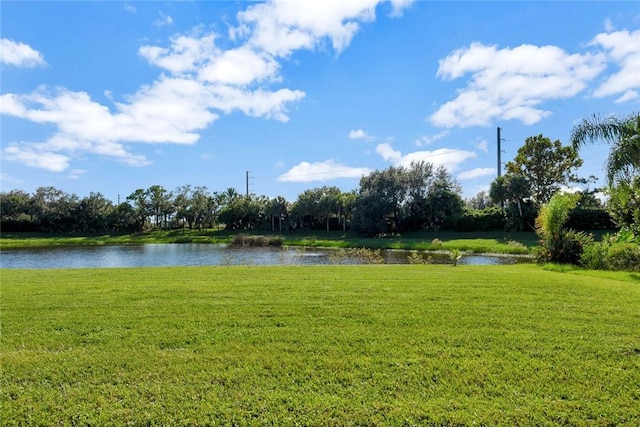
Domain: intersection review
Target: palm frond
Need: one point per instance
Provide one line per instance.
(597, 128)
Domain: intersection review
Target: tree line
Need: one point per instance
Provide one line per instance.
(418, 197)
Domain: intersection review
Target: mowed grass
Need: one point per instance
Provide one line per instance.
(476, 242)
(322, 345)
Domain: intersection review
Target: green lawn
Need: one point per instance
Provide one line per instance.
(323, 345)
(477, 242)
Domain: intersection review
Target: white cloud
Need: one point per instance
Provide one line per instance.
(280, 27)
(241, 66)
(511, 83)
(321, 171)
(628, 95)
(19, 54)
(32, 155)
(623, 49)
(200, 80)
(447, 157)
(162, 20)
(359, 134)
(476, 173)
(430, 139)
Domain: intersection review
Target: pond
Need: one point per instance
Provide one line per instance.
(164, 255)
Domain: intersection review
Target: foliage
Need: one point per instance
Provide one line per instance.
(622, 133)
(407, 199)
(454, 256)
(418, 258)
(558, 244)
(611, 256)
(513, 193)
(622, 165)
(256, 241)
(360, 255)
(624, 205)
(546, 166)
(487, 219)
(329, 345)
(480, 201)
(318, 206)
(614, 252)
(590, 219)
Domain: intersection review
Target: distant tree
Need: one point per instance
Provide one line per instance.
(244, 212)
(380, 199)
(93, 214)
(141, 207)
(445, 205)
(347, 204)
(405, 199)
(161, 205)
(123, 218)
(480, 201)
(278, 208)
(53, 209)
(510, 192)
(14, 205)
(15, 211)
(546, 166)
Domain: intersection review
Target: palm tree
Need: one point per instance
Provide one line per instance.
(622, 133)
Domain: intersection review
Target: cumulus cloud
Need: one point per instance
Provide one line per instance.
(447, 157)
(511, 83)
(280, 27)
(321, 171)
(623, 50)
(199, 81)
(19, 54)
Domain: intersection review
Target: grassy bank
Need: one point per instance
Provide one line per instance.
(326, 345)
(480, 242)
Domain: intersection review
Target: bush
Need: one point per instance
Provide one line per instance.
(257, 241)
(565, 247)
(559, 244)
(361, 255)
(487, 219)
(608, 255)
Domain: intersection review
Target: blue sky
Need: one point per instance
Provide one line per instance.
(113, 96)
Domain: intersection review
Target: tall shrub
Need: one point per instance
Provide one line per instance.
(559, 244)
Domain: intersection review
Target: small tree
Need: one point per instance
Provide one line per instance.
(558, 244)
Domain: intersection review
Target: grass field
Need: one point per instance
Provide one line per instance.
(476, 242)
(325, 345)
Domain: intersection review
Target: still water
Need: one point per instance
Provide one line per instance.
(164, 255)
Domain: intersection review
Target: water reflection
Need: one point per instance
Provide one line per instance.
(163, 255)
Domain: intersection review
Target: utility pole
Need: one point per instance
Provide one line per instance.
(499, 161)
(247, 175)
